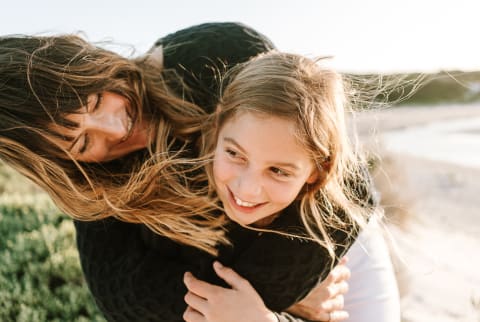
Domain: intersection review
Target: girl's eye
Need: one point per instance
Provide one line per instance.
(235, 156)
(231, 153)
(279, 172)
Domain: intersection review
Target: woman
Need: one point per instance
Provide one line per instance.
(131, 270)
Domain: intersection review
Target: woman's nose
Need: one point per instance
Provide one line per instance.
(107, 124)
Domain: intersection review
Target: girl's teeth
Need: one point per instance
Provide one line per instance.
(243, 203)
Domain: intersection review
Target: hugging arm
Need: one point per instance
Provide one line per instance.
(285, 274)
(133, 281)
(129, 280)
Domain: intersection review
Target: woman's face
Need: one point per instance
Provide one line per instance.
(105, 131)
(259, 167)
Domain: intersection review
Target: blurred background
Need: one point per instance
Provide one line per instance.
(424, 146)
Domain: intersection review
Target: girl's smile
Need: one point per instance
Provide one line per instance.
(259, 166)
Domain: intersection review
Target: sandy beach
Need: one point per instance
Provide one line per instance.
(434, 207)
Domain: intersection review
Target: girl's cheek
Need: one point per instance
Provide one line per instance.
(283, 192)
(222, 170)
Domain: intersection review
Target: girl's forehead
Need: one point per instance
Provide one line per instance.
(265, 135)
(263, 116)
(266, 123)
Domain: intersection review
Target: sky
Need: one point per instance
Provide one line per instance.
(361, 35)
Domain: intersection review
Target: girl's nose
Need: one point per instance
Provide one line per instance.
(249, 186)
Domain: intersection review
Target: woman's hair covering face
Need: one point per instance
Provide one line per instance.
(45, 78)
(42, 79)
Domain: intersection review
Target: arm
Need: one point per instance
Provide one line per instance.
(129, 279)
(283, 270)
(212, 303)
(327, 298)
(135, 280)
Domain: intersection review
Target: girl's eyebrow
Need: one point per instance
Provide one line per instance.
(292, 166)
(232, 141)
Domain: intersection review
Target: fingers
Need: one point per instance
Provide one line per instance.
(307, 312)
(196, 302)
(334, 304)
(199, 287)
(339, 273)
(342, 287)
(337, 303)
(190, 315)
(343, 260)
(336, 289)
(230, 276)
(336, 316)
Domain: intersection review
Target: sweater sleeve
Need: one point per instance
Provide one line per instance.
(284, 269)
(128, 280)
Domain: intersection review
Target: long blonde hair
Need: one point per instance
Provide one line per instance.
(296, 88)
(43, 79)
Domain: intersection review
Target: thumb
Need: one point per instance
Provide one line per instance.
(230, 276)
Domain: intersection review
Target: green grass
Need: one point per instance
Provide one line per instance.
(40, 274)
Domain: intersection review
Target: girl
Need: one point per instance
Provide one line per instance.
(281, 160)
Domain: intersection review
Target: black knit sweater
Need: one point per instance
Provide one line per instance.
(136, 275)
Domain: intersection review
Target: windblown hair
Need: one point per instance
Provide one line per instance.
(43, 79)
(296, 88)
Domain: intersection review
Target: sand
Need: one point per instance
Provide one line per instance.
(434, 207)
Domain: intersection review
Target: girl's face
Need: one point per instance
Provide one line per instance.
(259, 167)
(105, 131)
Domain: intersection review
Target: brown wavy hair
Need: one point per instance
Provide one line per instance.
(43, 79)
(317, 99)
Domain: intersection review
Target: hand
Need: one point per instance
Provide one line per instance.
(325, 301)
(212, 303)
